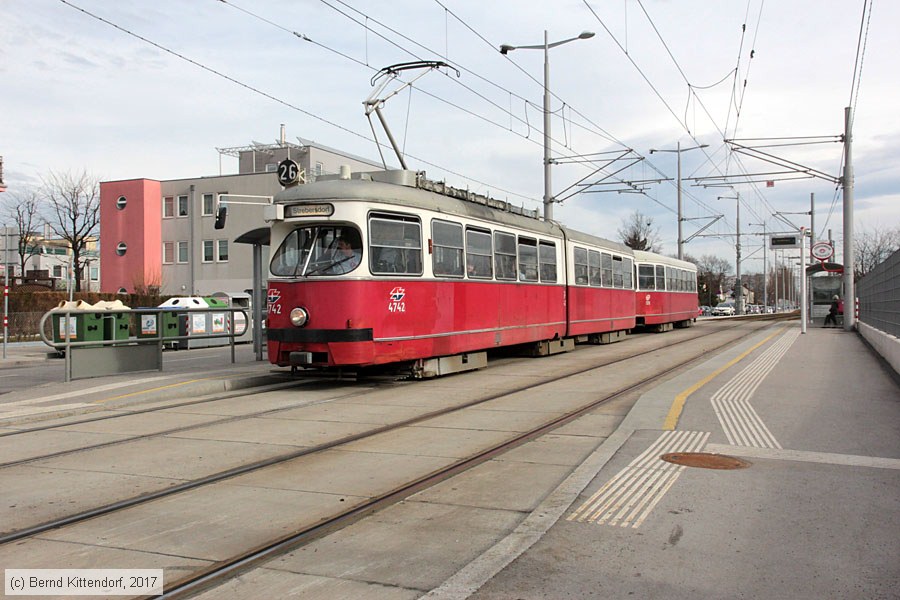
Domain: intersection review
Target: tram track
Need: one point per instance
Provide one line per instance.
(224, 570)
(231, 418)
(341, 519)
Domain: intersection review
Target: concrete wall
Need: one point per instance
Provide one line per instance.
(884, 344)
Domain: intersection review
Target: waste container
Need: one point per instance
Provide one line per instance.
(163, 323)
(200, 323)
(82, 326)
(242, 328)
(115, 324)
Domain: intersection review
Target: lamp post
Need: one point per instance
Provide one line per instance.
(739, 290)
(679, 150)
(505, 49)
(765, 266)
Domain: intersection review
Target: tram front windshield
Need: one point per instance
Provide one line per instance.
(325, 250)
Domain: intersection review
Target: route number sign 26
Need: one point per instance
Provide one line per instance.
(288, 172)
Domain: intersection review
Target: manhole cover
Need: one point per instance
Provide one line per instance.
(704, 460)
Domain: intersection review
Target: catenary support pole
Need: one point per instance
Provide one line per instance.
(849, 263)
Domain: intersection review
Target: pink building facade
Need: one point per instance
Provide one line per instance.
(130, 229)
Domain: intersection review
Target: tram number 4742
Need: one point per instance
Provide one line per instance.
(395, 300)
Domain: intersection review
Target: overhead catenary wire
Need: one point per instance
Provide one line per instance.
(275, 98)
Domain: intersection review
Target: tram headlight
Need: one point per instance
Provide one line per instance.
(299, 317)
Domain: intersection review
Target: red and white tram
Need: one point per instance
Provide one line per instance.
(666, 291)
(387, 267)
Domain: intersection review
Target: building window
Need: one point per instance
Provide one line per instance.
(122, 248)
(57, 271)
(95, 273)
(168, 207)
(182, 206)
(121, 202)
(223, 251)
(320, 168)
(168, 253)
(207, 251)
(208, 204)
(182, 252)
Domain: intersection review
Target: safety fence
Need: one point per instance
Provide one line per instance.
(879, 296)
(108, 342)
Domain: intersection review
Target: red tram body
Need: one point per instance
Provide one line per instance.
(388, 267)
(666, 291)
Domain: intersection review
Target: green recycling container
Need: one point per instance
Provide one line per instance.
(115, 326)
(83, 326)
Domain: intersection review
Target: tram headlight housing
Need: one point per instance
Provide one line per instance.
(299, 316)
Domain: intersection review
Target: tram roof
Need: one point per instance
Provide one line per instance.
(412, 190)
(651, 257)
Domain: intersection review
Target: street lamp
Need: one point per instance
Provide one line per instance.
(739, 293)
(679, 150)
(765, 265)
(505, 49)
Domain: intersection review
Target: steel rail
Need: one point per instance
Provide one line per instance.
(261, 464)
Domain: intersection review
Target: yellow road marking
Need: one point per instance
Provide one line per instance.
(680, 399)
(138, 393)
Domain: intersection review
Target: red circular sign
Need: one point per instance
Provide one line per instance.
(822, 251)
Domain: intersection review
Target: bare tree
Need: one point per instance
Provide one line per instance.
(711, 273)
(637, 232)
(74, 205)
(24, 211)
(871, 247)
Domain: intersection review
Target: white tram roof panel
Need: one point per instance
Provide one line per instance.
(412, 190)
(643, 256)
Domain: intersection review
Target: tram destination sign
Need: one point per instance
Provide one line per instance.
(308, 210)
(779, 242)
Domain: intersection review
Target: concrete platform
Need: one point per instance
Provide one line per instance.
(816, 514)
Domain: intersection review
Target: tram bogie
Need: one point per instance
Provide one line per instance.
(387, 267)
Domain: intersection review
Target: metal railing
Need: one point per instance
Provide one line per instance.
(126, 353)
(879, 296)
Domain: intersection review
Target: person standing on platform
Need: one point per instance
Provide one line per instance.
(832, 312)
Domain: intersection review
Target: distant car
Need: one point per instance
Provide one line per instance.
(723, 309)
(705, 311)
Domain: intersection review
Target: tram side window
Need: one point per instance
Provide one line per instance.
(661, 277)
(548, 262)
(618, 272)
(395, 245)
(606, 269)
(594, 267)
(581, 266)
(646, 280)
(505, 255)
(528, 260)
(628, 273)
(479, 256)
(447, 241)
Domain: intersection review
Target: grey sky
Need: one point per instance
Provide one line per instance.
(79, 93)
